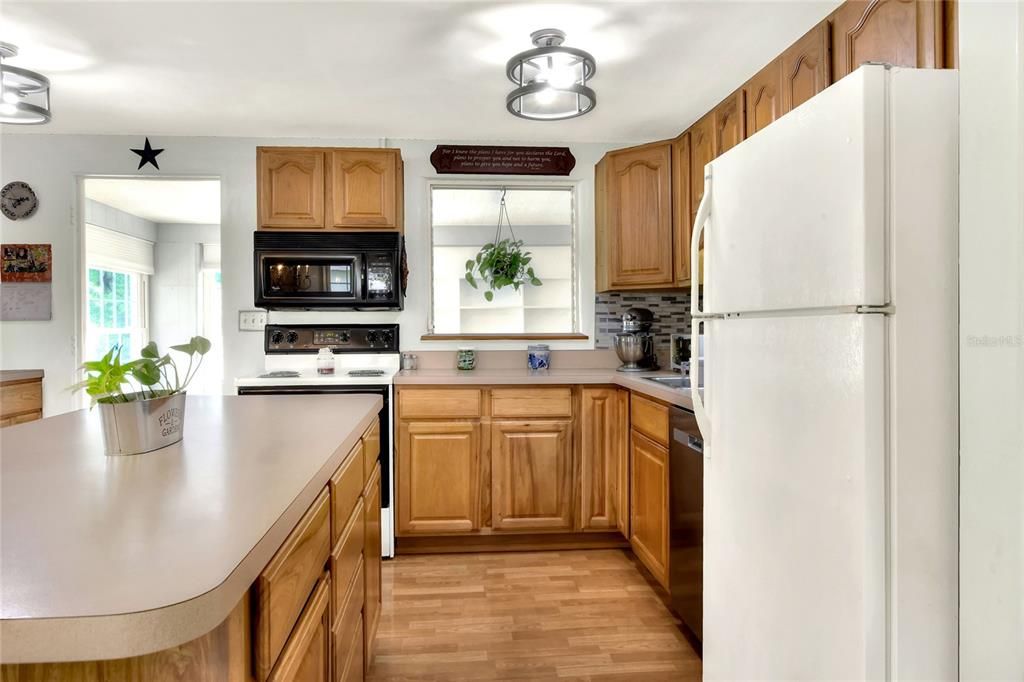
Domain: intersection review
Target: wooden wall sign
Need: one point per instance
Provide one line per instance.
(466, 159)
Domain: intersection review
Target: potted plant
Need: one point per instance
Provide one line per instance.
(142, 401)
(502, 262)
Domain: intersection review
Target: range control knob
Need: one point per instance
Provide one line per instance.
(344, 337)
(293, 336)
(276, 337)
(387, 337)
(373, 337)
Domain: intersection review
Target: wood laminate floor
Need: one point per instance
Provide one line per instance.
(573, 615)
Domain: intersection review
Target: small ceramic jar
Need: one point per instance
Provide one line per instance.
(409, 361)
(325, 362)
(466, 359)
(538, 356)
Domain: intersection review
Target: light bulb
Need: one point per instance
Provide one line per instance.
(561, 78)
(11, 97)
(546, 96)
(8, 109)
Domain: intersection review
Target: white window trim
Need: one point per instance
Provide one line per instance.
(517, 183)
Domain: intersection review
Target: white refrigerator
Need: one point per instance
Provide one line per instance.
(830, 410)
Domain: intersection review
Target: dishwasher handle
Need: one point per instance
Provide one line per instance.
(695, 443)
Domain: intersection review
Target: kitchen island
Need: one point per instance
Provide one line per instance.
(118, 557)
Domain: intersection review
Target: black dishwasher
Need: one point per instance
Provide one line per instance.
(686, 519)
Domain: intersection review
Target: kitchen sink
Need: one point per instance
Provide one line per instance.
(671, 382)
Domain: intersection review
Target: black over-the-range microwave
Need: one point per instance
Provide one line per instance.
(330, 270)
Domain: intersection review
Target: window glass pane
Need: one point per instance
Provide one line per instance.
(466, 218)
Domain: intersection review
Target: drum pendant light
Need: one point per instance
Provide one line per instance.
(551, 79)
(24, 94)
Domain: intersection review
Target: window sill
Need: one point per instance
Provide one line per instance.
(504, 337)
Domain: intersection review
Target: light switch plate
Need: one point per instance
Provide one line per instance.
(252, 320)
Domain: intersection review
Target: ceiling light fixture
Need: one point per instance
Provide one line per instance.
(26, 94)
(551, 79)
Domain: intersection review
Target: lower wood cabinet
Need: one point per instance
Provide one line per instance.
(649, 522)
(430, 453)
(531, 475)
(604, 459)
(307, 657)
(21, 399)
(372, 566)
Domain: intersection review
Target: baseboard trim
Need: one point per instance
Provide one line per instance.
(518, 542)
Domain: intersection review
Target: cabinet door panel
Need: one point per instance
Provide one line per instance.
(682, 214)
(649, 524)
(364, 188)
(307, 656)
(730, 123)
(641, 220)
(897, 32)
(290, 188)
(702, 152)
(372, 566)
(604, 465)
(806, 67)
(531, 475)
(763, 96)
(438, 477)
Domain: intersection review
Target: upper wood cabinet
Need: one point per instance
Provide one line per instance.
(682, 215)
(806, 67)
(897, 32)
(604, 459)
(702, 152)
(730, 122)
(308, 188)
(649, 523)
(531, 475)
(290, 187)
(763, 97)
(430, 453)
(364, 187)
(638, 217)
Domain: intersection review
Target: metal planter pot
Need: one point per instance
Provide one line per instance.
(140, 426)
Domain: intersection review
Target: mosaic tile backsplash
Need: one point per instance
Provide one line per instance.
(671, 315)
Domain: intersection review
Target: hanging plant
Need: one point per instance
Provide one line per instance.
(502, 262)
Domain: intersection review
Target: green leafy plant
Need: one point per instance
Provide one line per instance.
(501, 264)
(151, 376)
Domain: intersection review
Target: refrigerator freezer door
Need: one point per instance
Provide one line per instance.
(795, 498)
(798, 211)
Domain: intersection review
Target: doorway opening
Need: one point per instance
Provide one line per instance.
(151, 269)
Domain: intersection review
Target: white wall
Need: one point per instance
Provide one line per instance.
(992, 340)
(53, 164)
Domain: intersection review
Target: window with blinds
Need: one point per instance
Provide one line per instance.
(117, 292)
(114, 250)
(463, 219)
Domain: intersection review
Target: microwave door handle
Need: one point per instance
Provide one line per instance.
(361, 284)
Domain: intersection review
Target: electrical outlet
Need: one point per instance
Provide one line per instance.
(252, 320)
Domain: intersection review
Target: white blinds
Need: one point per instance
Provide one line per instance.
(117, 251)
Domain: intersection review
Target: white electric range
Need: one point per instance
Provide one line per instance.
(366, 359)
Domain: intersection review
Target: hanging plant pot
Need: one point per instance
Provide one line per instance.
(503, 262)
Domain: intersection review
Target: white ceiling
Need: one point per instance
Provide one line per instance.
(412, 69)
(160, 201)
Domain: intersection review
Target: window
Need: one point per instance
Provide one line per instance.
(464, 218)
(117, 313)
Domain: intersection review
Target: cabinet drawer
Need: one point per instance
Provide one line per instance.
(371, 449)
(21, 398)
(307, 654)
(285, 584)
(531, 402)
(20, 419)
(649, 418)
(348, 631)
(346, 487)
(347, 556)
(446, 402)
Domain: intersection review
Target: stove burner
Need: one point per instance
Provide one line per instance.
(366, 372)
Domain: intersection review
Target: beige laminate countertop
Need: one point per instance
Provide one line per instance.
(108, 557)
(492, 377)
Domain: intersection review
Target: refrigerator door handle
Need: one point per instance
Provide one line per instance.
(696, 311)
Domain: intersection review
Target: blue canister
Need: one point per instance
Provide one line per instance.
(538, 356)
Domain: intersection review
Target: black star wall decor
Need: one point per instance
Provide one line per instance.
(148, 155)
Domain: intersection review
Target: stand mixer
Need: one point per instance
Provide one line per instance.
(635, 343)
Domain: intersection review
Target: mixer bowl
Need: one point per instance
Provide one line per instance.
(629, 348)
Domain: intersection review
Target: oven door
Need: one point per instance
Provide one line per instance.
(295, 279)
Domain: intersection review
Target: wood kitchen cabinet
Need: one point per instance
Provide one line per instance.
(897, 32)
(604, 459)
(365, 188)
(702, 152)
(290, 188)
(371, 566)
(682, 214)
(763, 97)
(635, 218)
(730, 122)
(531, 475)
(806, 67)
(308, 188)
(307, 658)
(649, 522)
(430, 452)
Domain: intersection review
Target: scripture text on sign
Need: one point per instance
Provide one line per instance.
(493, 160)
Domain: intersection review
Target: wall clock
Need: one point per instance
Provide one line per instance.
(18, 200)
